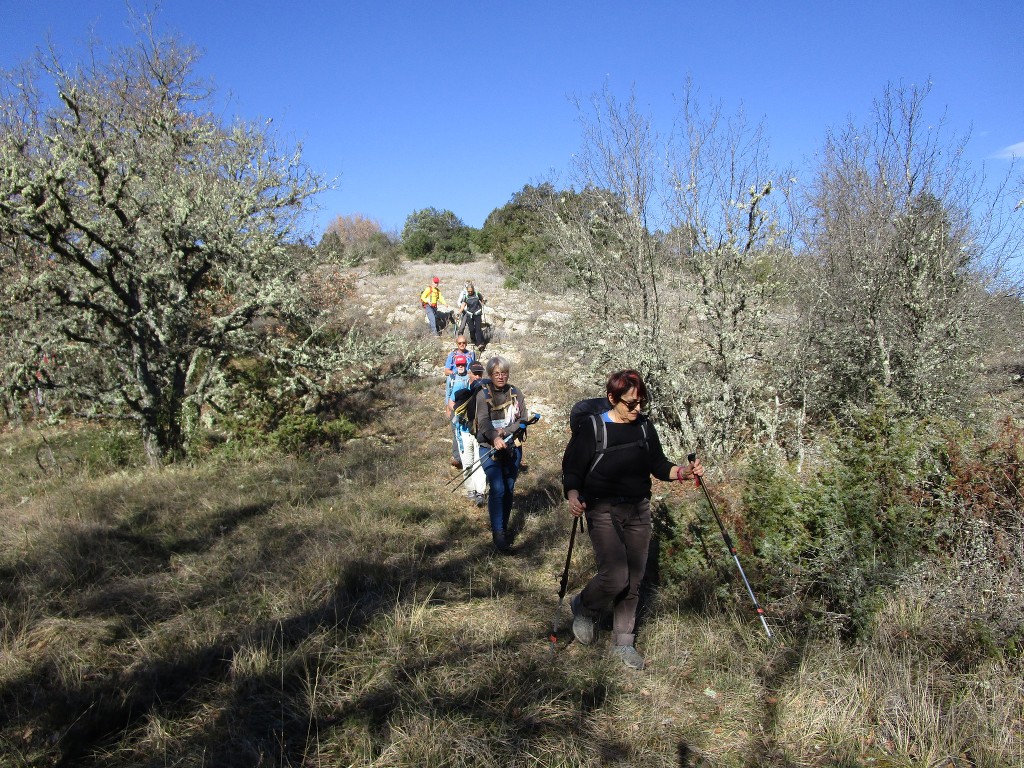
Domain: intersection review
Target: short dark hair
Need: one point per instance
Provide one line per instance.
(620, 382)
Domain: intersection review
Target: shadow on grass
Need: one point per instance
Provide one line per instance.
(266, 717)
(244, 714)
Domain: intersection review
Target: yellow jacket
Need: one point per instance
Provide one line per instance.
(432, 295)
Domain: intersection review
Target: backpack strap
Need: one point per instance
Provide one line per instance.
(601, 440)
(513, 393)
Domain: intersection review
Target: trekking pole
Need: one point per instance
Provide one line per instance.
(472, 468)
(732, 549)
(510, 443)
(553, 637)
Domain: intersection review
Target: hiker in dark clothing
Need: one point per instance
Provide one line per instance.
(499, 407)
(613, 489)
(471, 302)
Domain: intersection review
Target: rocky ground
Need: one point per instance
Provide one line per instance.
(521, 324)
(508, 311)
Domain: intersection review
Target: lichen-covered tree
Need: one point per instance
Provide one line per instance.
(730, 240)
(144, 236)
(674, 245)
(601, 228)
(904, 239)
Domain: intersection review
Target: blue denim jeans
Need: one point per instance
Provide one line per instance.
(502, 469)
(456, 444)
(431, 317)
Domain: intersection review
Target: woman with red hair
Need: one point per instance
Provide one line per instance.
(606, 475)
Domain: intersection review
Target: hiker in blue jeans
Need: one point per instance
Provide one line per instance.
(430, 298)
(499, 407)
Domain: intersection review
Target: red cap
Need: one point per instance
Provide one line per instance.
(436, 280)
(460, 359)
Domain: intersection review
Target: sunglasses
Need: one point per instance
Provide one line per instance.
(461, 343)
(632, 405)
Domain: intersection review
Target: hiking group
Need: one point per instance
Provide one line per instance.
(612, 454)
(607, 466)
(488, 421)
(469, 309)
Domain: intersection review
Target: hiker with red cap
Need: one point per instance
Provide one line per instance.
(458, 380)
(476, 480)
(460, 349)
(430, 298)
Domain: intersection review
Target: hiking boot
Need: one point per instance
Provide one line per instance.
(582, 626)
(502, 543)
(481, 499)
(629, 656)
(455, 463)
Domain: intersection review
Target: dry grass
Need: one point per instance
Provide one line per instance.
(879, 705)
(344, 610)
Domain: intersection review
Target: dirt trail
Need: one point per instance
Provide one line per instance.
(521, 323)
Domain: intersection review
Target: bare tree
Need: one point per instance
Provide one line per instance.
(674, 246)
(350, 239)
(604, 234)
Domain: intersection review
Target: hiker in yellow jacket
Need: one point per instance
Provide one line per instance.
(430, 298)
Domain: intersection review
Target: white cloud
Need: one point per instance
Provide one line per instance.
(1011, 152)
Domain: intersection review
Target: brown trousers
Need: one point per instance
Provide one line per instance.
(620, 532)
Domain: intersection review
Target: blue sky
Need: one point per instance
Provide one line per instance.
(458, 104)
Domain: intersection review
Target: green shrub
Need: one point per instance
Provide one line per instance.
(254, 402)
(302, 431)
(515, 235)
(694, 569)
(841, 536)
(263, 412)
(432, 235)
(94, 449)
(115, 449)
(830, 542)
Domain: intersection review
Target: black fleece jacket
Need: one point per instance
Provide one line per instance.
(621, 473)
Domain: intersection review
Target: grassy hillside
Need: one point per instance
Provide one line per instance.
(345, 609)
